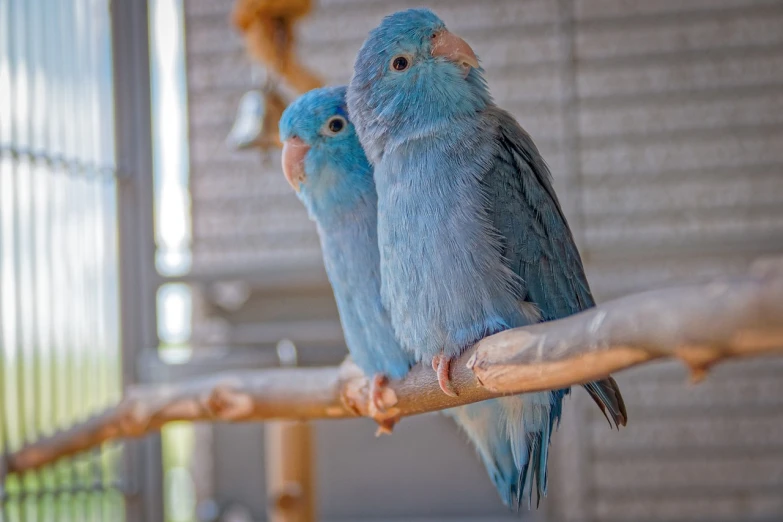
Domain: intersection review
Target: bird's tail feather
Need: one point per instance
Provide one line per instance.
(532, 419)
(484, 425)
(606, 394)
(512, 437)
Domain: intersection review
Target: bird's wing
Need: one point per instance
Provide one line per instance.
(536, 240)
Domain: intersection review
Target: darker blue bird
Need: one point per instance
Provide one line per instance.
(472, 237)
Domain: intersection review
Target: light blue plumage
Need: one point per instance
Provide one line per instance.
(472, 237)
(338, 191)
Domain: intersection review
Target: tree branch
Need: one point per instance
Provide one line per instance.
(700, 324)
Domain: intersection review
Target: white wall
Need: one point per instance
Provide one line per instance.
(663, 124)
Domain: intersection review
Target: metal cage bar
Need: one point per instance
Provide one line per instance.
(76, 251)
(136, 232)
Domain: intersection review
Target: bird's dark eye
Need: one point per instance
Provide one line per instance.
(335, 125)
(400, 63)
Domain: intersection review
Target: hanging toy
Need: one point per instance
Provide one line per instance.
(268, 28)
(255, 125)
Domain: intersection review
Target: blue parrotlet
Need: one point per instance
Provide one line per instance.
(472, 237)
(325, 164)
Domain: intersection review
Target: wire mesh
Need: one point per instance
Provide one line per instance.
(59, 316)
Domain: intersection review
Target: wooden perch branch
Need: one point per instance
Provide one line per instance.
(700, 324)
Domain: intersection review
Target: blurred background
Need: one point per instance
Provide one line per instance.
(144, 241)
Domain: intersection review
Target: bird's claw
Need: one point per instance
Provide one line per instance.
(442, 364)
(377, 387)
(350, 403)
(382, 400)
(385, 426)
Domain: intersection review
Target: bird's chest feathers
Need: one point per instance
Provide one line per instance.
(432, 220)
(443, 275)
(431, 193)
(351, 254)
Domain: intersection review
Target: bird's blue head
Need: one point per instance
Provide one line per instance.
(322, 157)
(412, 77)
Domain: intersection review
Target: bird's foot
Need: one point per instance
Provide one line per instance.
(350, 403)
(351, 386)
(442, 364)
(378, 385)
(386, 426)
(382, 400)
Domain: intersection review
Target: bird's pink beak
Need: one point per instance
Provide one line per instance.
(453, 48)
(294, 151)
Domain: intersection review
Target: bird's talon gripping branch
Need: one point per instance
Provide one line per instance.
(442, 365)
(349, 402)
(380, 404)
(385, 426)
(377, 388)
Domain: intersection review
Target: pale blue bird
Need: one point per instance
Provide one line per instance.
(472, 237)
(324, 162)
